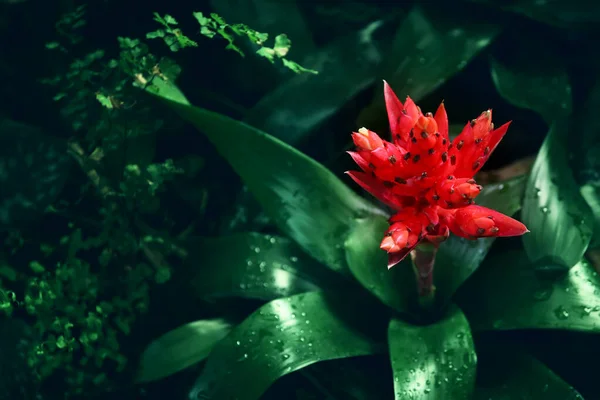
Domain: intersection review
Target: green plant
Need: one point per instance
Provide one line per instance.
(441, 351)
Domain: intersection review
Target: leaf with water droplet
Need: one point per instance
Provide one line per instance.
(431, 45)
(560, 229)
(339, 328)
(532, 75)
(396, 287)
(442, 352)
(458, 258)
(34, 167)
(306, 201)
(508, 373)
(230, 266)
(180, 348)
(505, 295)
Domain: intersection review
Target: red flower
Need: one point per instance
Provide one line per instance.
(427, 179)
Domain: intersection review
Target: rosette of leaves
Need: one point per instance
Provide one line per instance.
(329, 297)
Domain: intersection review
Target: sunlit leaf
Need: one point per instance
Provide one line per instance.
(368, 263)
(507, 373)
(249, 265)
(508, 292)
(458, 258)
(554, 211)
(533, 75)
(302, 104)
(306, 201)
(284, 336)
(431, 45)
(34, 167)
(436, 361)
(180, 348)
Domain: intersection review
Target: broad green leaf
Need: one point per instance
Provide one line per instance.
(435, 361)
(588, 159)
(533, 75)
(167, 90)
(368, 263)
(507, 373)
(431, 45)
(34, 167)
(510, 293)
(180, 348)
(591, 194)
(563, 14)
(458, 258)
(299, 106)
(284, 336)
(306, 201)
(554, 211)
(358, 378)
(588, 139)
(249, 265)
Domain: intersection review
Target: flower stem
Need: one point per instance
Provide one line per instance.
(423, 258)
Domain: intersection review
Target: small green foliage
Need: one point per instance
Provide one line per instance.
(173, 37)
(216, 25)
(140, 186)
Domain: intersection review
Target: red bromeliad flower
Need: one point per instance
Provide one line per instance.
(427, 179)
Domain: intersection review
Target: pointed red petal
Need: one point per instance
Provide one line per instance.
(360, 161)
(442, 120)
(476, 221)
(411, 108)
(394, 107)
(396, 258)
(496, 136)
(375, 187)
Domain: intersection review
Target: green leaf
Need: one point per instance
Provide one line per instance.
(533, 75)
(298, 107)
(202, 20)
(271, 16)
(282, 45)
(358, 378)
(167, 89)
(368, 263)
(284, 336)
(180, 348)
(554, 211)
(249, 265)
(34, 167)
(306, 201)
(510, 293)
(458, 258)
(436, 361)
(297, 68)
(591, 194)
(588, 161)
(431, 46)
(507, 373)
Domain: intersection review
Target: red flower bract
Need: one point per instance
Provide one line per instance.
(427, 179)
